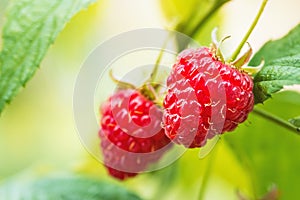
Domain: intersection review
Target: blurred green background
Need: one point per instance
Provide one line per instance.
(37, 129)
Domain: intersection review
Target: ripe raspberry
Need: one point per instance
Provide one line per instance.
(205, 97)
(131, 133)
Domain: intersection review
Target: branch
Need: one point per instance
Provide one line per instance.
(277, 120)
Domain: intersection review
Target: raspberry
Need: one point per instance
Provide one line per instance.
(205, 97)
(131, 134)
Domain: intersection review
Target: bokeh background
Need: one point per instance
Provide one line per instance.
(37, 129)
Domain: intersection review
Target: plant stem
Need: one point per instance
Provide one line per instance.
(208, 16)
(121, 84)
(158, 60)
(207, 174)
(277, 120)
(244, 40)
(156, 66)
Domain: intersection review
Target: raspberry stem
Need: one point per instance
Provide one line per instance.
(156, 66)
(276, 120)
(158, 60)
(121, 84)
(244, 40)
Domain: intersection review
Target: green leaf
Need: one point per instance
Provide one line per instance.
(173, 9)
(270, 152)
(287, 46)
(273, 77)
(64, 188)
(31, 27)
(295, 121)
(282, 65)
(189, 17)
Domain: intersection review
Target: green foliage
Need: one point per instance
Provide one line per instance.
(64, 188)
(287, 46)
(269, 152)
(188, 14)
(295, 121)
(189, 17)
(266, 150)
(31, 27)
(282, 65)
(178, 10)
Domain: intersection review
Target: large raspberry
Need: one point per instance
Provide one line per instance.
(205, 97)
(131, 134)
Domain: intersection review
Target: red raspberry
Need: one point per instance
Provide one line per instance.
(205, 97)
(131, 133)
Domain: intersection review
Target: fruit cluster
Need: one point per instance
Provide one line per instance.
(205, 97)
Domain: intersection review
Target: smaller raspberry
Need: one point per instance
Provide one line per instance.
(131, 133)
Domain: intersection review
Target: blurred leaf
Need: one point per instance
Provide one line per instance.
(31, 27)
(189, 17)
(64, 188)
(269, 151)
(79, 45)
(177, 9)
(165, 179)
(273, 194)
(295, 121)
(282, 65)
